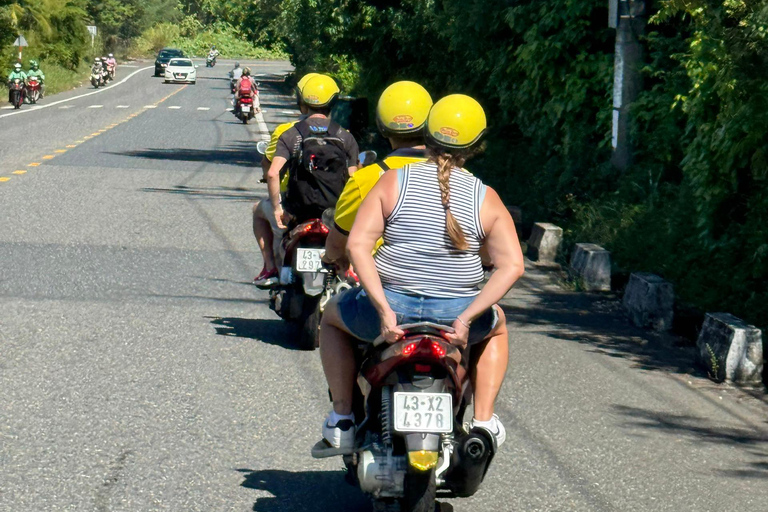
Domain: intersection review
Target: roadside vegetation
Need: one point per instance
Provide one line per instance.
(692, 208)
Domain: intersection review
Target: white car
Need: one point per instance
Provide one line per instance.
(181, 70)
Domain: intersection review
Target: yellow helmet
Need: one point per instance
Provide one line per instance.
(303, 80)
(319, 91)
(456, 121)
(403, 109)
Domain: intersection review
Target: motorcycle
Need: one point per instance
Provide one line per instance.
(97, 79)
(111, 72)
(302, 280)
(409, 405)
(34, 88)
(16, 90)
(247, 106)
(210, 61)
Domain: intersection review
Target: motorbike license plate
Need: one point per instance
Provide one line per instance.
(423, 412)
(246, 108)
(309, 260)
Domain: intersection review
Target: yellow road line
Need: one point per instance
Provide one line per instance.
(60, 151)
(19, 172)
(48, 157)
(71, 146)
(34, 164)
(79, 141)
(4, 179)
(95, 134)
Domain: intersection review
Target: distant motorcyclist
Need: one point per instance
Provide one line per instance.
(246, 85)
(36, 72)
(213, 54)
(234, 76)
(16, 74)
(111, 65)
(98, 67)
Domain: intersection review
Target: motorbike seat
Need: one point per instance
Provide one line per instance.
(428, 328)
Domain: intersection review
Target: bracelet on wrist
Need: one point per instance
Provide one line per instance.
(465, 324)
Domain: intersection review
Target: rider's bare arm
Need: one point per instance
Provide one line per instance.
(503, 248)
(273, 180)
(368, 228)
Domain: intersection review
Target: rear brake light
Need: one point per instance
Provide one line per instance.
(422, 368)
(409, 348)
(437, 349)
(316, 227)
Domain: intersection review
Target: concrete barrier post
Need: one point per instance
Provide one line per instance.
(649, 301)
(544, 242)
(591, 266)
(730, 349)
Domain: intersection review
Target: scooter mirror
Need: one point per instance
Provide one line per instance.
(261, 147)
(366, 158)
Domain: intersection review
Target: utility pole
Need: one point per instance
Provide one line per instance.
(628, 18)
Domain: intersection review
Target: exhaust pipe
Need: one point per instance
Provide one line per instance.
(469, 463)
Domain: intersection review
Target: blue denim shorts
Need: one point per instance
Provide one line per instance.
(362, 320)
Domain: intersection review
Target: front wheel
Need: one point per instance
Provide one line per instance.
(420, 492)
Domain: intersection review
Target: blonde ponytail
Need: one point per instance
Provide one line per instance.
(445, 165)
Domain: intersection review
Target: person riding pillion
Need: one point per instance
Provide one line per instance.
(401, 114)
(434, 218)
(35, 71)
(246, 86)
(265, 228)
(321, 157)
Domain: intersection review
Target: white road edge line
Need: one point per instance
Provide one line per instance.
(97, 91)
(96, 106)
(203, 108)
(262, 126)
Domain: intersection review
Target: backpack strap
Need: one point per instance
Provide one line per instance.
(383, 165)
(334, 129)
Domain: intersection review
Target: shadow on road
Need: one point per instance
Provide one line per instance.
(598, 321)
(270, 331)
(239, 154)
(752, 442)
(237, 193)
(305, 491)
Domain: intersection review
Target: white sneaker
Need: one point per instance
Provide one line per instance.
(493, 427)
(341, 435)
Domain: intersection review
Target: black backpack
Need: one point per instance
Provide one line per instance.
(318, 171)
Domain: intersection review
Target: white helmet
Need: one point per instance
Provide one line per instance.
(110, 55)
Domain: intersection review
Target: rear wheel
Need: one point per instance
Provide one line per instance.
(309, 337)
(420, 492)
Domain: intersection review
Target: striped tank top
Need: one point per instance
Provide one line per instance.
(417, 257)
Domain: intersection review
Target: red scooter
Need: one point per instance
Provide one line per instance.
(245, 109)
(16, 92)
(302, 280)
(409, 404)
(33, 90)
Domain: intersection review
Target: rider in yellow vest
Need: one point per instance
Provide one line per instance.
(400, 116)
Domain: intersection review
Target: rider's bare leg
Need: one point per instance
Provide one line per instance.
(489, 366)
(338, 358)
(262, 230)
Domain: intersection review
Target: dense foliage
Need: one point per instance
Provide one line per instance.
(692, 207)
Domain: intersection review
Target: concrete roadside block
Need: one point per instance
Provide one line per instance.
(591, 267)
(544, 242)
(649, 301)
(730, 349)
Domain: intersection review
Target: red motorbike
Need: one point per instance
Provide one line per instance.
(34, 88)
(16, 92)
(302, 280)
(245, 109)
(409, 404)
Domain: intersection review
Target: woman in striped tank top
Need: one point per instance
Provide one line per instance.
(434, 218)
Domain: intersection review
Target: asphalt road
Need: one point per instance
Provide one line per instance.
(140, 370)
